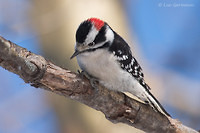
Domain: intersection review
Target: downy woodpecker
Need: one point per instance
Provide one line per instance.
(104, 55)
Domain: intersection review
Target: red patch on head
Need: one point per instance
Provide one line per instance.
(97, 23)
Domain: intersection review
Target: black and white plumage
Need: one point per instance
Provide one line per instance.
(126, 60)
(104, 55)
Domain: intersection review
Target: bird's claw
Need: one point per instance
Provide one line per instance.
(84, 74)
(93, 81)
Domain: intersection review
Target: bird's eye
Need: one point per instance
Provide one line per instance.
(91, 44)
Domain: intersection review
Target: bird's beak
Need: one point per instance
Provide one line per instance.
(75, 54)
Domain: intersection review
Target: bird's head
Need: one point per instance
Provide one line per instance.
(92, 34)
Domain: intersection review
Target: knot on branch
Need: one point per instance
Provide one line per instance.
(34, 68)
(28, 66)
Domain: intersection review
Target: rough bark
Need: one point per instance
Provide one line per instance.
(116, 106)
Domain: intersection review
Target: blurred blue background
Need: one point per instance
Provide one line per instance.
(167, 33)
(23, 109)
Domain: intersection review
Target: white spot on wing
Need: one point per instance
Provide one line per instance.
(132, 61)
(124, 57)
(119, 51)
(130, 70)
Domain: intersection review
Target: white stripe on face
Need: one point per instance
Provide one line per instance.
(91, 35)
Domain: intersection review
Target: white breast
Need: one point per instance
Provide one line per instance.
(103, 65)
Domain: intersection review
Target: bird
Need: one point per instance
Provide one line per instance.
(104, 55)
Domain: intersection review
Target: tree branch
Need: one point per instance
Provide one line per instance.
(116, 106)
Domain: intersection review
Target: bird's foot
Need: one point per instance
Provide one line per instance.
(93, 81)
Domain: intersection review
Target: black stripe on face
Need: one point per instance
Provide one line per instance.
(83, 31)
(101, 35)
(105, 45)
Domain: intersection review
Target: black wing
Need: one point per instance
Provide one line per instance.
(127, 62)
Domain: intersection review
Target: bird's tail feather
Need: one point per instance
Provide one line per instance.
(154, 103)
